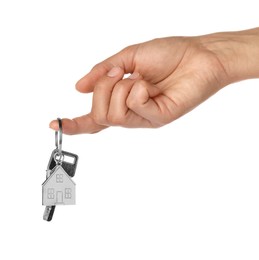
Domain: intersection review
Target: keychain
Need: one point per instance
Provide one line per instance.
(59, 188)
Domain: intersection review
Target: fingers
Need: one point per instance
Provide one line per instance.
(119, 113)
(97, 119)
(147, 101)
(102, 94)
(79, 125)
(123, 59)
(130, 102)
(86, 84)
(109, 106)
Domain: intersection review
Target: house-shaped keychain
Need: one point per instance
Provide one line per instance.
(58, 189)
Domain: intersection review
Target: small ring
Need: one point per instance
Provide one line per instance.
(58, 136)
(59, 158)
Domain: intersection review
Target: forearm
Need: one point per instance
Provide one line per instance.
(238, 52)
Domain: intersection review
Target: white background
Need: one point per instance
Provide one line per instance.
(186, 191)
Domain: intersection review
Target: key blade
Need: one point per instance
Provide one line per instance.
(48, 213)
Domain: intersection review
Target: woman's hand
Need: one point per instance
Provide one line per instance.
(169, 77)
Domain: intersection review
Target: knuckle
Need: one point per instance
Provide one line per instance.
(132, 102)
(128, 49)
(121, 89)
(96, 67)
(165, 118)
(100, 86)
(119, 85)
(134, 99)
(99, 119)
(116, 119)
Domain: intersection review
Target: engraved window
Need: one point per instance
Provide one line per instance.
(59, 178)
(51, 193)
(68, 193)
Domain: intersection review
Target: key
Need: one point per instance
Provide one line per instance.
(69, 162)
(48, 213)
(65, 164)
(49, 210)
(58, 187)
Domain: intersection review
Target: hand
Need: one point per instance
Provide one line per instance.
(169, 77)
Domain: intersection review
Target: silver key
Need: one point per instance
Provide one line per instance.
(69, 162)
(48, 213)
(49, 210)
(58, 188)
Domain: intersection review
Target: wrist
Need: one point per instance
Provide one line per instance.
(238, 52)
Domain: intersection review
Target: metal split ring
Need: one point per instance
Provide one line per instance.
(58, 137)
(59, 158)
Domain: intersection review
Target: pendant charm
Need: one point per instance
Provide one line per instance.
(59, 188)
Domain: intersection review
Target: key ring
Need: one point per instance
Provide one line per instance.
(58, 137)
(58, 158)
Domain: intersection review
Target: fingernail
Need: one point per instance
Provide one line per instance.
(134, 75)
(115, 71)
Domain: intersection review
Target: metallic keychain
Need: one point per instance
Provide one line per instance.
(59, 188)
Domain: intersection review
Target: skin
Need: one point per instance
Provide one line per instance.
(168, 78)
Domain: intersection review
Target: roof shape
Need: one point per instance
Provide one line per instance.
(54, 171)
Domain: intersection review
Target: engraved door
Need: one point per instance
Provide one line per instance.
(59, 197)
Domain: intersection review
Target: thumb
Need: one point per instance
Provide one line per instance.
(79, 125)
(123, 59)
